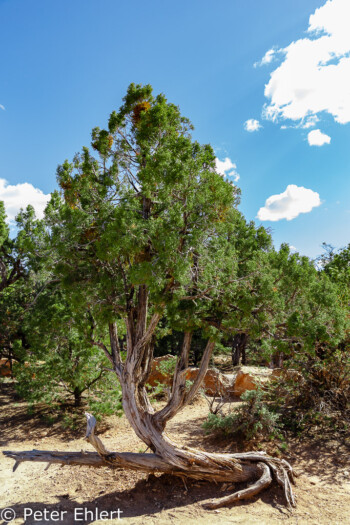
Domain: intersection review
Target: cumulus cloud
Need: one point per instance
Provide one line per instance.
(19, 196)
(317, 138)
(314, 74)
(252, 125)
(289, 204)
(2, 107)
(227, 168)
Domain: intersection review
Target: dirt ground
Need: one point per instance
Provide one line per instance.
(68, 495)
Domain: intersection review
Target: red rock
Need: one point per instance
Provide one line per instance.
(250, 377)
(5, 369)
(217, 384)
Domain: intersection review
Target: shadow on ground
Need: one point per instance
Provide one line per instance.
(17, 422)
(147, 498)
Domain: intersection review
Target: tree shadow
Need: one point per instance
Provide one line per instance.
(18, 422)
(147, 498)
(326, 457)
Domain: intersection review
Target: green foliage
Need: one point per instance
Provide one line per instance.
(61, 360)
(252, 419)
(157, 392)
(16, 290)
(167, 366)
(149, 210)
(4, 229)
(105, 397)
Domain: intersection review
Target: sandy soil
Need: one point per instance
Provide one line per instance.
(323, 486)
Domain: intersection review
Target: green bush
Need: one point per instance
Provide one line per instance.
(251, 419)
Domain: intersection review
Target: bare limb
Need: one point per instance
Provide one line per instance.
(203, 367)
(92, 439)
(178, 391)
(149, 332)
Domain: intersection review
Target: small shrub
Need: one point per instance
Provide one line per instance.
(252, 419)
(159, 391)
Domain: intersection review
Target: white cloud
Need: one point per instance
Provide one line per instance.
(292, 248)
(252, 125)
(19, 196)
(317, 138)
(2, 107)
(269, 56)
(227, 168)
(310, 122)
(289, 204)
(315, 71)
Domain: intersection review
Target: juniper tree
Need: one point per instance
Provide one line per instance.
(15, 291)
(145, 233)
(303, 308)
(60, 362)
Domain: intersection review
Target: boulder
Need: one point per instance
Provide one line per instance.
(250, 377)
(214, 383)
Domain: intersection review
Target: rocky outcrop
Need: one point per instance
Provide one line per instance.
(214, 382)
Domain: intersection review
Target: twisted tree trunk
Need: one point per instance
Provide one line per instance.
(167, 456)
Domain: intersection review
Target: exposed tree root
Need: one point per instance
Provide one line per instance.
(264, 481)
(200, 465)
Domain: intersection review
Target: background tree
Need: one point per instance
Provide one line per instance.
(251, 246)
(304, 311)
(11, 266)
(15, 291)
(61, 361)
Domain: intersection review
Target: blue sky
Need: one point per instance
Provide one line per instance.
(65, 65)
